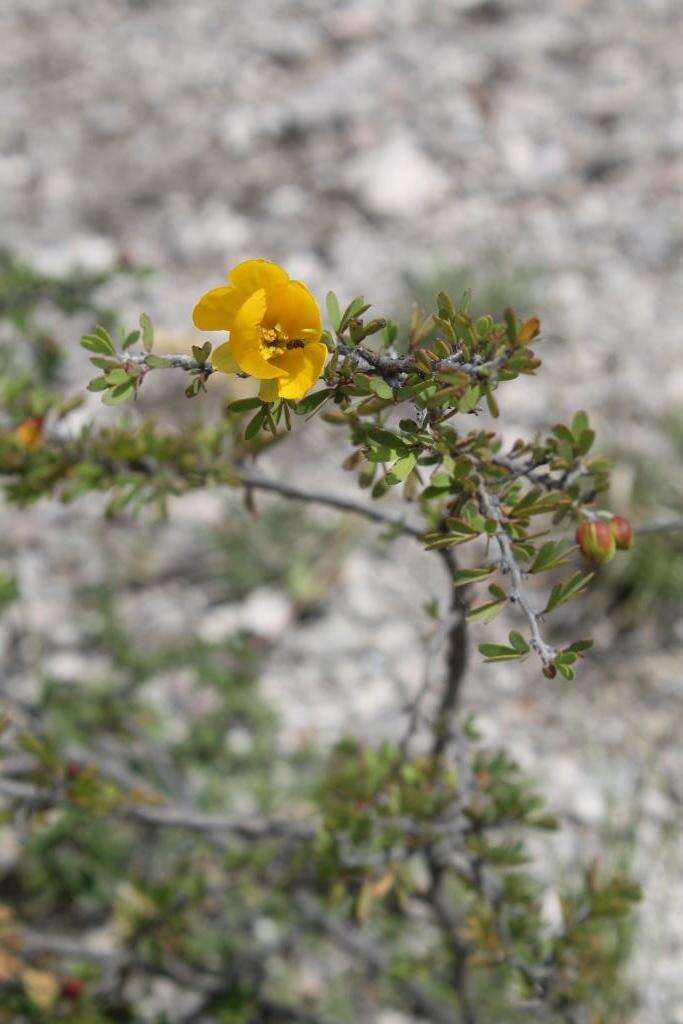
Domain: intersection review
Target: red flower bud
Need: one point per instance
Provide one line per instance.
(71, 988)
(73, 770)
(622, 531)
(596, 540)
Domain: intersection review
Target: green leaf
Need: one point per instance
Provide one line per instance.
(579, 424)
(551, 555)
(511, 324)
(312, 402)
(580, 646)
(463, 577)
(117, 376)
(446, 307)
(372, 327)
(518, 642)
(390, 332)
(401, 468)
(147, 332)
(563, 592)
(484, 326)
(486, 612)
(245, 405)
(120, 393)
(96, 343)
(381, 388)
(491, 402)
(499, 652)
(98, 384)
(355, 308)
(104, 364)
(534, 503)
(130, 340)
(458, 533)
(585, 441)
(434, 492)
(381, 487)
(333, 310)
(563, 434)
(386, 438)
(529, 498)
(469, 400)
(255, 424)
(408, 426)
(157, 362)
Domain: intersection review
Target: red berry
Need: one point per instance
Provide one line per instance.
(71, 988)
(596, 541)
(622, 531)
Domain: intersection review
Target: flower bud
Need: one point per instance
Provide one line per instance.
(622, 531)
(71, 988)
(596, 540)
(29, 433)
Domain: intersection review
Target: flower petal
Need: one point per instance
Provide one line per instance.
(216, 310)
(296, 311)
(251, 275)
(303, 366)
(223, 360)
(245, 339)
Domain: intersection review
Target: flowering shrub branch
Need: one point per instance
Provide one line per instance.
(423, 834)
(452, 367)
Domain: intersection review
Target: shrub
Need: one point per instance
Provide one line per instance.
(409, 857)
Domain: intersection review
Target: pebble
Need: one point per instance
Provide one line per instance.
(397, 179)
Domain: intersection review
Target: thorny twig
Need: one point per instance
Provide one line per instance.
(388, 366)
(398, 367)
(361, 946)
(258, 482)
(508, 565)
(165, 815)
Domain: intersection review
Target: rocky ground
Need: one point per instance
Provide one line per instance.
(355, 144)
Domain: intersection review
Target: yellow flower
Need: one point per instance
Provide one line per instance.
(275, 329)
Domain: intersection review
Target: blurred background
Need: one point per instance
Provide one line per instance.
(530, 149)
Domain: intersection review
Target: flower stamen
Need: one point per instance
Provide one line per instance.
(273, 342)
